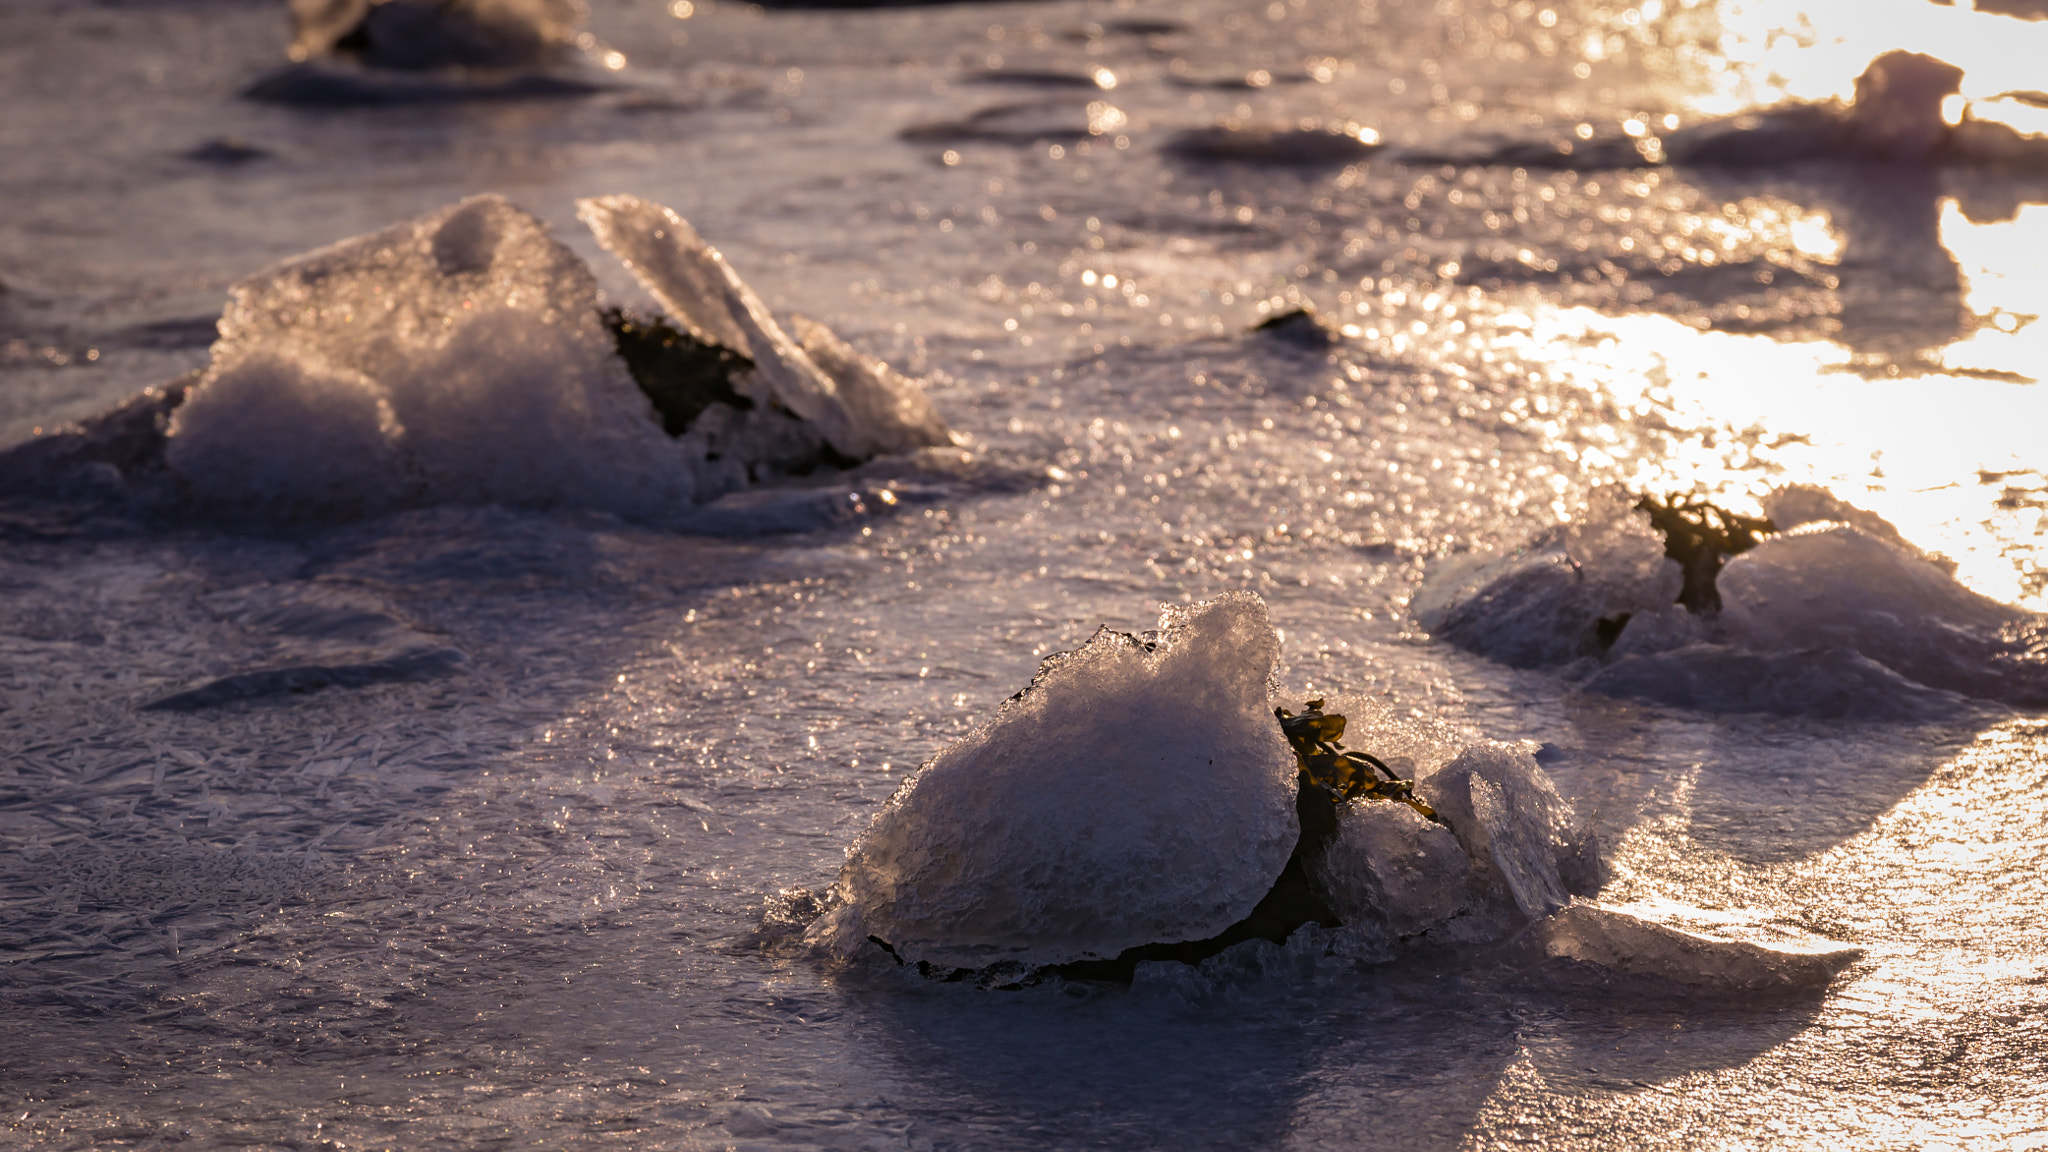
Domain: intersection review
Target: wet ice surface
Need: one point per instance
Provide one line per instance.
(509, 902)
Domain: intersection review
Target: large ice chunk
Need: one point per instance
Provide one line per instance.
(454, 358)
(462, 358)
(1138, 792)
(860, 407)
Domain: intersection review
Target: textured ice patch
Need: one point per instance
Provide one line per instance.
(1136, 793)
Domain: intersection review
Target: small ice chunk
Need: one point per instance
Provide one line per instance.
(1514, 847)
(1545, 602)
(1521, 850)
(1387, 862)
(414, 35)
(892, 411)
(1510, 819)
(1896, 115)
(1631, 946)
(1138, 792)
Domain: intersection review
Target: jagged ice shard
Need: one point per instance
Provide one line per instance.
(859, 405)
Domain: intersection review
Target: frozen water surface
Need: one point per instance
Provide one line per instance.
(509, 897)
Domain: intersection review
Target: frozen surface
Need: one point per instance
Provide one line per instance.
(1128, 797)
(512, 904)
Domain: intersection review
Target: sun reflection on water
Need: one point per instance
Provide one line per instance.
(1813, 50)
(1951, 457)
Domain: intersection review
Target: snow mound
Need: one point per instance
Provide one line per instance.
(1138, 792)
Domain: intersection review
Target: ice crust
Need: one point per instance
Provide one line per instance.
(1837, 616)
(460, 358)
(1128, 797)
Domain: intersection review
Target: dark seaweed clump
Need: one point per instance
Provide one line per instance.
(680, 374)
(1300, 328)
(1701, 537)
